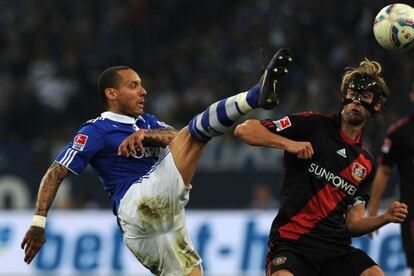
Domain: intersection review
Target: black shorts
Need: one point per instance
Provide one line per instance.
(407, 235)
(321, 260)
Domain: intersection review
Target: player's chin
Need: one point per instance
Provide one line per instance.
(139, 111)
(356, 120)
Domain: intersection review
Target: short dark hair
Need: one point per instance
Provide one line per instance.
(109, 79)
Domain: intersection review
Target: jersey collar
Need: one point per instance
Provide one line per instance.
(348, 140)
(119, 118)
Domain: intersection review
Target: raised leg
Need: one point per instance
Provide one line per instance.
(186, 152)
(187, 147)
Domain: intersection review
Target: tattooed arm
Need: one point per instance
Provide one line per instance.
(159, 136)
(35, 236)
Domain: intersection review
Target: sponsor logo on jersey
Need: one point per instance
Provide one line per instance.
(341, 152)
(359, 172)
(279, 260)
(79, 142)
(154, 152)
(337, 181)
(386, 145)
(282, 123)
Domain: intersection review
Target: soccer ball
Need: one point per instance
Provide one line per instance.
(394, 27)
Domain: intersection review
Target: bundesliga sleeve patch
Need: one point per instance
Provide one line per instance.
(282, 123)
(386, 146)
(79, 142)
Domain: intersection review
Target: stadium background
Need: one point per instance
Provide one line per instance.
(189, 54)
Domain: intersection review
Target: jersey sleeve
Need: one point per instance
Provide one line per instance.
(389, 150)
(291, 126)
(86, 143)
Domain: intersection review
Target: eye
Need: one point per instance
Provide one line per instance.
(367, 96)
(351, 93)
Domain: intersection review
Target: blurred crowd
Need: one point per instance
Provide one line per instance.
(188, 53)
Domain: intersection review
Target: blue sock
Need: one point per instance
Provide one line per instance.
(220, 116)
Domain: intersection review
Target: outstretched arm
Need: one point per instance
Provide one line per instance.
(159, 136)
(35, 236)
(380, 182)
(254, 133)
(359, 225)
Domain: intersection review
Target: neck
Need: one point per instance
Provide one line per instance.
(350, 130)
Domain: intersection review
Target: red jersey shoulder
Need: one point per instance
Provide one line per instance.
(397, 125)
(314, 117)
(311, 113)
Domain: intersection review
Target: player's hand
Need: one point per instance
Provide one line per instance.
(303, 150)
(132, 143)
(32, 242)
(397, 212)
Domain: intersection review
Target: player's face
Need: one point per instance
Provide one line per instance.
(130, 94)
(354, 113)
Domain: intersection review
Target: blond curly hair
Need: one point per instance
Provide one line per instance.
(368, 68)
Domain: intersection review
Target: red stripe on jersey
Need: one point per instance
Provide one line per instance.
(321, 204)
(395, 126)
(310, 113)
(269, 124)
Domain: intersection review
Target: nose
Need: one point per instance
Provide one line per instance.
(357, 98)
(143, 92)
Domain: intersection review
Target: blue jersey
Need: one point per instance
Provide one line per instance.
(97, 143)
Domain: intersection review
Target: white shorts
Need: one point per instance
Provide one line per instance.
(151, 215)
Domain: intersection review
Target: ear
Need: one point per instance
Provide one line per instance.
(110, 93)
(378, 107)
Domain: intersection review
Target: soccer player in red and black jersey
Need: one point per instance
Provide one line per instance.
(327, 173)
(398, 149)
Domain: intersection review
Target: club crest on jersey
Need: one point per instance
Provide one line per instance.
(282, 123)
(79, 141)
(386, 146)
(359, 172)
(279, 260)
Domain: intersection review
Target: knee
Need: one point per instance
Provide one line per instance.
(373, 271)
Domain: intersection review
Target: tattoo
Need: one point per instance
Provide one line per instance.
(49, 186)
(160, 136)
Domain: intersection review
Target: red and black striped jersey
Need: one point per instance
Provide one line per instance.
(316, 193)
(398, 149)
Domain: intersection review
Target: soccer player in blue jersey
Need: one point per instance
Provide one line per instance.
(146, 166)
